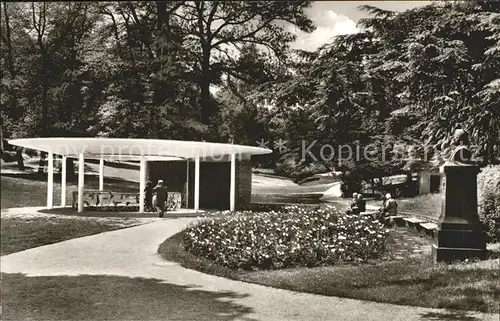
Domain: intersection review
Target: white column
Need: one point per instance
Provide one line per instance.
(232, 189)
(63, 181)
(50, 180)
(81, 178)
(101, 174)
(142, 184)
(187, 183)
(197, 183)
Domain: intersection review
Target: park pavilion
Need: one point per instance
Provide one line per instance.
(221, 178)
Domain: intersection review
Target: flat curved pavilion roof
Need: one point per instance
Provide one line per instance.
(134, 148)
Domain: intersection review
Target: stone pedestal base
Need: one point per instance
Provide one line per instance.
(459, 245)
(460, 235)
(448, 254)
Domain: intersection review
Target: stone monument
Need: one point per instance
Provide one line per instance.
(460, 235)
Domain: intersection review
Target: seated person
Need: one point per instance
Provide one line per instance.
(343, 190)
(389, 207)
(361, 203)
(353, 206)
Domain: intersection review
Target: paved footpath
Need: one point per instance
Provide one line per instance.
(132, 253)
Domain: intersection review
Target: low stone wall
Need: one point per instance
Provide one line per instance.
(422, 226)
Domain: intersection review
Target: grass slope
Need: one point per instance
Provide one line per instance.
(31, 190)
(410, 281)
(428, 205)
(25, 190)
(20, 234)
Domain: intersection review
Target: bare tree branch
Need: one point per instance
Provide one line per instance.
(242, 37)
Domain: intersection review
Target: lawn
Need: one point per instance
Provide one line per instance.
(409, 282)
(412, 279)
(24, 190)
(31, 189)
(109, 297)
(19, 234)
(428, 205)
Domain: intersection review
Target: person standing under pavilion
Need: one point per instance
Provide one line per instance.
(161, 193)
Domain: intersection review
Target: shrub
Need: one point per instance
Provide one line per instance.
(276, 207)
(489, 201)
(299, 170)
(309, 170)
(286, 168)
(294, 236)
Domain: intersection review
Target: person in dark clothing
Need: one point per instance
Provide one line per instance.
(357, 205)
(148, 202)
(343, 189)
(161, 196)
(361, 203)
(388, 210)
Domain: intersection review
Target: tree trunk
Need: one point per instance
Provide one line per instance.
(13, 110)
(19, 158)
(1, 136)
(161, 8)
(44, 59)
(206, 106)
(158, 85)
(45, 107)
(9, 42)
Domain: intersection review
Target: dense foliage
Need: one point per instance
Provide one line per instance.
(489, 201)
(405, 82)
(135, 69)
(292, 236)
(150, 69)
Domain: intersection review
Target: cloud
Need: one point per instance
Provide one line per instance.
(328, 25)
(334, 18)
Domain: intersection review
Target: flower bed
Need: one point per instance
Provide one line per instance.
(293, 236)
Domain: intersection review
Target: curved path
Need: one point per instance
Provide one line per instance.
(118, 275)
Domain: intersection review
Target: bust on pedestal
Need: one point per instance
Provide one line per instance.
(460, 234)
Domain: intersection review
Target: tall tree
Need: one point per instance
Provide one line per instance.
(10, 81)
(440, 63)
(406, 81)
(216, 32)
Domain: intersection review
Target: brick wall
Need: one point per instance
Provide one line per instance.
(243, 183)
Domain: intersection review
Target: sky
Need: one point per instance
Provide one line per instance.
(333, 18)
(340, 17)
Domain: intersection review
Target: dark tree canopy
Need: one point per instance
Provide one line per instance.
(224, 71)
